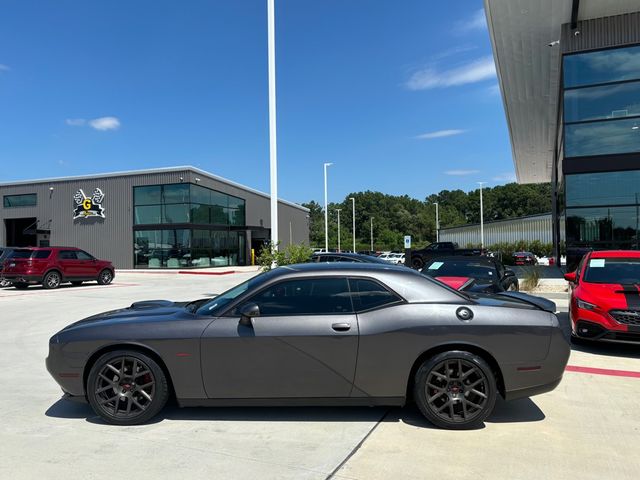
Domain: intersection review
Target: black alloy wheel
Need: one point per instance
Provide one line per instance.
(105, 277)
(126, 388)
(52, 280)
(455, 390)
(417, 263)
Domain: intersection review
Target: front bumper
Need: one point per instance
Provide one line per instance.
(590, 330)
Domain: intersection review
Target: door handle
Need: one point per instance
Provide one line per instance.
(341, 327)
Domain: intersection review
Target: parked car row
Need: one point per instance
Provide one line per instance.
(52, 266)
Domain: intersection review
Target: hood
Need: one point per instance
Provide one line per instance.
(610, 296)
(149, 310)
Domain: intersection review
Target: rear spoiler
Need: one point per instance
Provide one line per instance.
(541, 303)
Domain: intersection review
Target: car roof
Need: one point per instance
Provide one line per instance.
(345, 267)
(46, 248)
(615, 254)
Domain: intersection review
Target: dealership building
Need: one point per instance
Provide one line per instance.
(569, 74)
(180, 217)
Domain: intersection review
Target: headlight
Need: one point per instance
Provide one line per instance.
(586, 305)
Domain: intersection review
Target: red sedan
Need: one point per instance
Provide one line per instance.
(605, 296)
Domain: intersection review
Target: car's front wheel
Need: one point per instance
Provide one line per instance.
(455, 390)
(127, 387)
(417, 263)
(105, 277)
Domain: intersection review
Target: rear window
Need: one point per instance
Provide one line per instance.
(24, 253)
(612, 270)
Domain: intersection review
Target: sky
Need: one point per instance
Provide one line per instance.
(401, 96)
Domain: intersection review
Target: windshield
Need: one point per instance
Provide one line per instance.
(215, 306)
(460, 268)
(613, 270)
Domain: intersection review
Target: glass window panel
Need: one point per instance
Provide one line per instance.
(606, 188)
(178, 213)
(177, 245)
(604, 227)
(26, 200)
(601, 66)
(147, 195)
(235, 202)
(220, 244)
(236, 216)
(608, 101)
(200, 214)
(147, 215)
(233, 248)
(145, 246)
(176, 193)
(200, 195)
(219, 216)
(602, 138)
(201, 248)
(218, 198)
(317, 296)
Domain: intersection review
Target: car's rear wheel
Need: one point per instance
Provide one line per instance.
(417, 263)
(21, 286)
(105, 277)
(76, 283)
(127, 387)
(455, 390)
(52, 280)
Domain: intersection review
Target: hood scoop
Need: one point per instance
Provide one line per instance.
(146, 304)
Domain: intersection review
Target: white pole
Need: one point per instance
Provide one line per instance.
(353, 205)
(481, 217)
(338, 210)
(372, 234)
(273, 151)
(326, 210)
(437, 224)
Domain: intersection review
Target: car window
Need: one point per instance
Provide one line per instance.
(41, 254)
(83, 255)
(368, 294)
(67, 255)
(312, 296)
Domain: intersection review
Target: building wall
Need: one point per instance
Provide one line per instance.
(531, 228)
(112, 237)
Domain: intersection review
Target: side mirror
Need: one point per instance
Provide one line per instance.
(570, 277)
(509, 273)
(248, 312)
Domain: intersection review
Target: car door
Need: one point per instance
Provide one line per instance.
(303, 344)
(69, 264)
(87, 265)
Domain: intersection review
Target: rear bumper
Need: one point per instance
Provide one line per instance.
(19, 278)
(531, 391)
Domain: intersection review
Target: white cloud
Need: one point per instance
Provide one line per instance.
(494, 89)
(4, 68)
(105, 123)
(460, 173)
(507, 177)
(75, 122)
(440, 134)
(476, 22)
(481, 69)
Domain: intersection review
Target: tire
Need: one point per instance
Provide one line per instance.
(52, 280)
(105, 277)
(116, 397)
(417, 263)
(513, 287)
(76, 283)
(455, 390)
(21, 286)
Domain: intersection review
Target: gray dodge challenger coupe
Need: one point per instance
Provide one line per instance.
(316, 334)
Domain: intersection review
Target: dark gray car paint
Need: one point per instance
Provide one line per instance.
(302, 360)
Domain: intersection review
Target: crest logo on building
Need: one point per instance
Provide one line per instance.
(88, 206)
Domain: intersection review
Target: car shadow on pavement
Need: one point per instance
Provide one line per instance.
(523, 410)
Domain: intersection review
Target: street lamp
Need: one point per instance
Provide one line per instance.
(326, 211)
(481, 217)
(371, 234)
(338, 210)
(273, 151)
(353, 228)
(437, 223)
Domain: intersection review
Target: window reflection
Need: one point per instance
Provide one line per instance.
(607, 188)
(607, 101)
(600, 138)
(602, 66)
(604, 227)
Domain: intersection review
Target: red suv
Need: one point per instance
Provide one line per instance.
(52, 266)
(605, 299)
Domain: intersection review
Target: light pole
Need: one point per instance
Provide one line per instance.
(437, 223)
(338, 210)
(326, 210)
(353, 228)
(273, 151)
(481, 217)
(372, 234)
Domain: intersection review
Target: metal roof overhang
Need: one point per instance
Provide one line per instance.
(529, 71)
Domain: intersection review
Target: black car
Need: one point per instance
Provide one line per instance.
(5, 253)
(475, 274)
(346, 257)
(316, 334)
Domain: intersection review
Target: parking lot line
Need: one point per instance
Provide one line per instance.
(603, 371)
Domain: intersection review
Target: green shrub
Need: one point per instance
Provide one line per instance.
(270, 256)
(507, 249)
